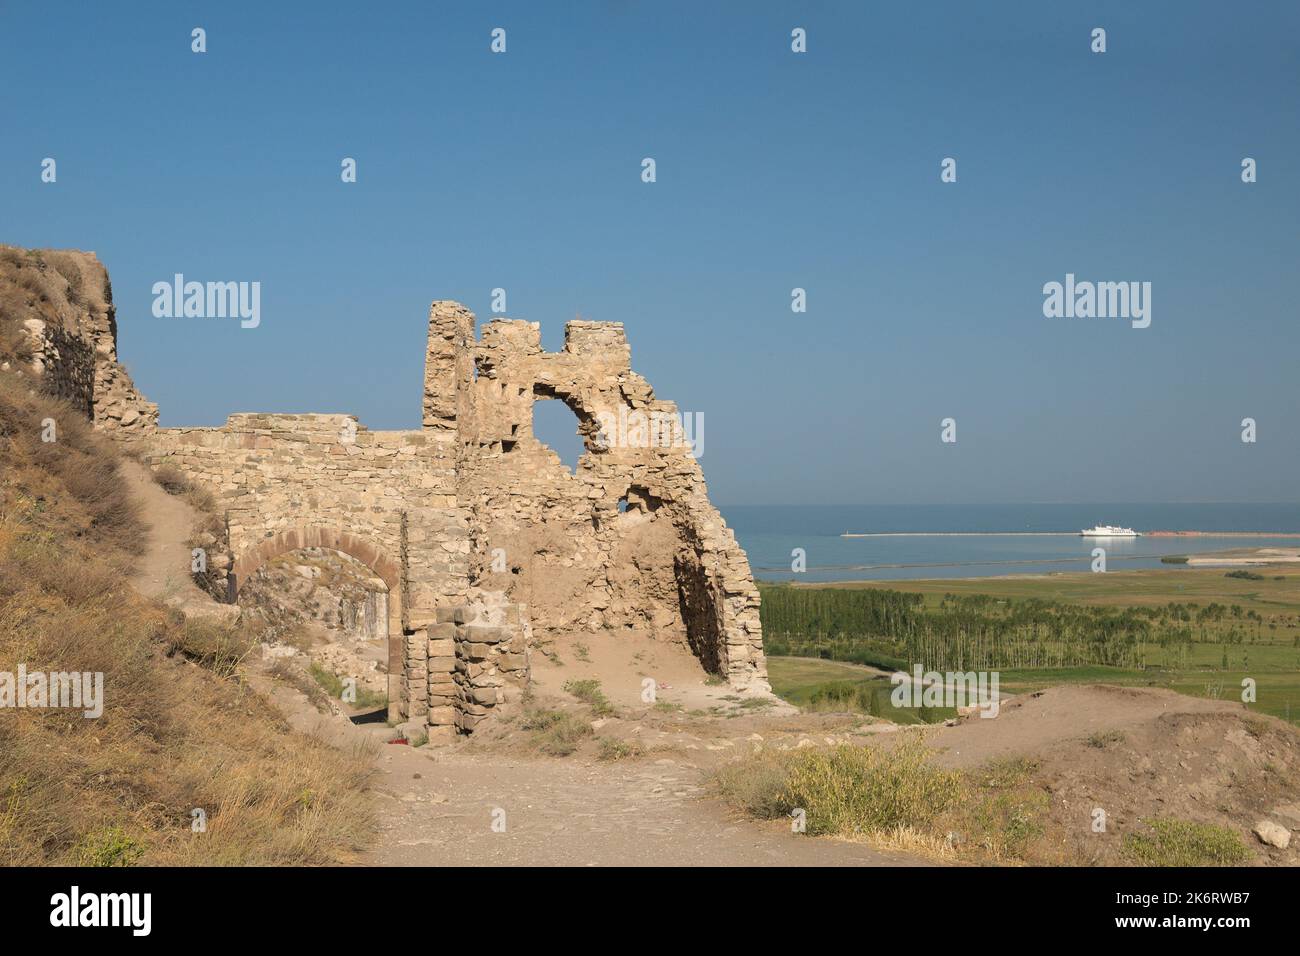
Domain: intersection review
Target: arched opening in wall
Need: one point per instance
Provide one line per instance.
(326, 618)
(556, 426)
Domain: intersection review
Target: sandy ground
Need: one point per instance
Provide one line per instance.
(1032, 723)
(1244, 557)
(444, 804)
(625, 662)
(438, 808)
(162, 571)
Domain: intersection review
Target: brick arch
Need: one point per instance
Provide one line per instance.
(314, 536)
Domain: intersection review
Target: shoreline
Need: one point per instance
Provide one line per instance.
(1236, 558)
(1248, 557)
(1065, 534)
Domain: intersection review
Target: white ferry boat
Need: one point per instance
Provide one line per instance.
(1109, 531)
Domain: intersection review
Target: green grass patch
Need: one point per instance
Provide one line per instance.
(844, 790)
(1103, 739)
(1170, 842)
(994, 813)
(333, 685)
(110, 846)
(589, 692)
(837, 687)
(556, 732)
(613, 750)
(850, 790)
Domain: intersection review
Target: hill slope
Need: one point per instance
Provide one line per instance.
(179, 730)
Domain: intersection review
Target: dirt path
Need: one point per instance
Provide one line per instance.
(162, 570)
(438, 808)
(437, 805)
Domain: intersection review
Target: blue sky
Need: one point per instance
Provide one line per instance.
(775, 170)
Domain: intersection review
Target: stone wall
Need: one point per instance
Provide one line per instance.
(479, 660)
(63, 301)
(387, 499)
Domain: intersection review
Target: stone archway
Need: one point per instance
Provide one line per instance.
(571, 398)
(315, 536)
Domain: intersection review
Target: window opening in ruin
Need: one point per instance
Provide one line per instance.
(639, 498)
(556, 426)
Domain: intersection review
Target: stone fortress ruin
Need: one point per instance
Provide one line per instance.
(489, 546)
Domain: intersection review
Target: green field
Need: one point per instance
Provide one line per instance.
(1195, 631)
(819, 685)
(1279, 591)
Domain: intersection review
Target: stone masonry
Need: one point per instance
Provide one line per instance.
(70, 324)
(488, 544)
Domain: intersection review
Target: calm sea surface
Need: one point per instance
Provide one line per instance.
(976, 540)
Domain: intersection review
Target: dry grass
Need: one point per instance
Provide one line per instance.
(862, 790)
(26, 291)
(41, 284)
(179, 731)
(894, 797)
(612, 749)
(755, 785)
(171, 479)
(556, 733)
(298, 678)
(174, 481)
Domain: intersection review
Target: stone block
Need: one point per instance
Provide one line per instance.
(486, 634)
(467, 722)
(512, 662)
(441, 716)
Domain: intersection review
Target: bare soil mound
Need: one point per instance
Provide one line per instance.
(1140, 755)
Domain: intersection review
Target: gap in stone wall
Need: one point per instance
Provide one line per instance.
(556, 426)
(327, 609)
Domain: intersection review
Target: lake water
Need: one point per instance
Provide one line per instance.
(1046, 537)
